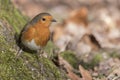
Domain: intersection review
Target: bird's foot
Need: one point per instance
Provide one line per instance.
(18, 53)
(42, 53)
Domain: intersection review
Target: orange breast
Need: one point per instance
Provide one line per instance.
(39, 33)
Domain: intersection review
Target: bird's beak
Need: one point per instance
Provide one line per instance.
(53, 20)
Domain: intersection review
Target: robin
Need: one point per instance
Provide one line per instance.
(36, 33)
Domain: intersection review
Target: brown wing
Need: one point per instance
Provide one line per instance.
(28, 34)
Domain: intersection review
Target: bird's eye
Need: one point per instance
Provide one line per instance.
(43, 19)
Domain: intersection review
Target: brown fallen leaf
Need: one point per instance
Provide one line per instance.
(73, 76)
(85, 74)
(67, 67)
(65, 64)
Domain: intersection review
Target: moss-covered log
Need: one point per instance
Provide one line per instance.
(27, 66)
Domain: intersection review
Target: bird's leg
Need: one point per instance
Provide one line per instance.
(40, 62)
(18, 53)
(40, 52)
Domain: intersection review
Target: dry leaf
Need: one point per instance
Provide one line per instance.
(73, 76)
(85, 74)
(69, 69)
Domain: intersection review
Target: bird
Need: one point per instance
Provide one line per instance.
(36, 33)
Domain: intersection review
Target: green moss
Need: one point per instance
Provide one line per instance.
(52, 70)
(11, 69)
(115, 54)
(3, 43)
(71, 58)
(97, 58)
(27, 67)
(12, 15)
(92, 63)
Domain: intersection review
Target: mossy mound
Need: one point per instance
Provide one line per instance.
(28, 66)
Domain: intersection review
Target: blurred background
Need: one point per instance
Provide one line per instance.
(90, 29)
